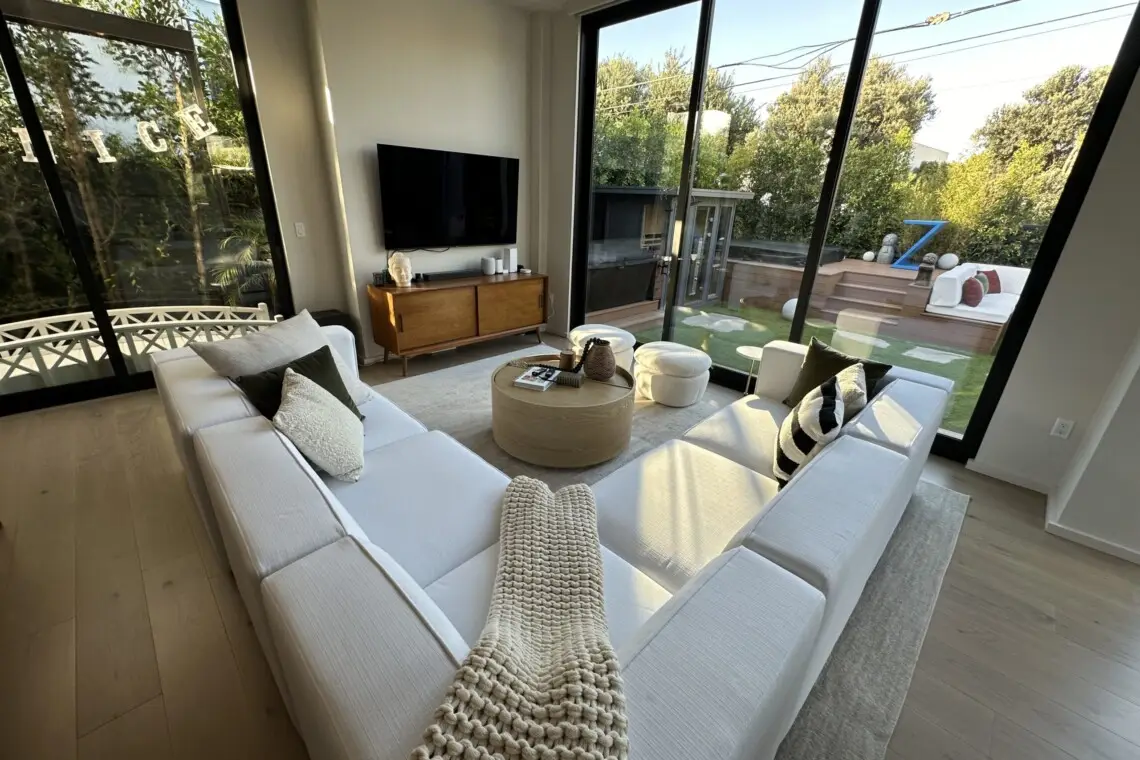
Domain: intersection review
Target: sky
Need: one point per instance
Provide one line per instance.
(968, 85)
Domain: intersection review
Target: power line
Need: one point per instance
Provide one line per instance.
(966, 39)
(930, 21)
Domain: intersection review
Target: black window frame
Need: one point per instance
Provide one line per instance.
(1103, 123)
(57, 15)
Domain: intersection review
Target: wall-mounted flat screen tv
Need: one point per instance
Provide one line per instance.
(441, 199)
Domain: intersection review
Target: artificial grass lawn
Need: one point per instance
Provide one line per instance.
(968, 374)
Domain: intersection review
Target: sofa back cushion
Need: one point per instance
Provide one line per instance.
(1012, 278)
(947, 289)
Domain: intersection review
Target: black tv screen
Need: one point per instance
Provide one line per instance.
(440, 199)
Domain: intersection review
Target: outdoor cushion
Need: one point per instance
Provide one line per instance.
(972, 292)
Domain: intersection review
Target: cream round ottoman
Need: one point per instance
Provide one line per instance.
(670, 373)
(621, 341)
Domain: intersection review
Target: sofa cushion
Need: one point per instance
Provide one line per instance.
(715, 673)
(385, 423)
(263, 389)
(996, 309)
(276, 346)
(823, 362)
(675, 508)
(898, 417)
(464, 595)
(327, 432)
(426, 500)
(744, 431)
(364, 671)
(831, 525)
(814, 423)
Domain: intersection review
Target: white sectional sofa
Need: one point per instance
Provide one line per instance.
(724, 594)
(946, 294)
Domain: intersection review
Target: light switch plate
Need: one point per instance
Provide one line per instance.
(299, 228)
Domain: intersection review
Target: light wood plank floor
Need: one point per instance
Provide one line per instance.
(121, 637)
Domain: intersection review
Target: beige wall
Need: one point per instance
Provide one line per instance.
(447, 74)
(1078, 340)
(277, 42)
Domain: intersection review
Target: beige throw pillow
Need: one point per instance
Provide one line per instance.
(275, 346)
(321, 427)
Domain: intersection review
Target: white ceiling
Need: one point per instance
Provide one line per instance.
(536, 5)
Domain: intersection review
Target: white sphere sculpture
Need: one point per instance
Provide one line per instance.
(789, 309)
(869, 256)
(948, 261)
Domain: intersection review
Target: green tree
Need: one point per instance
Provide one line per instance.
(1055, 114)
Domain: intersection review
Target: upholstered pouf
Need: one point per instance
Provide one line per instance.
(621, 342)
(671, 374)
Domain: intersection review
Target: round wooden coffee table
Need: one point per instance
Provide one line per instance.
(561, 427)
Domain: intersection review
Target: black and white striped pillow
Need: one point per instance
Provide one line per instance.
(817, 420)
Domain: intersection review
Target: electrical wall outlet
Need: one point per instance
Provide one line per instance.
(1062, 428)
(299, 228)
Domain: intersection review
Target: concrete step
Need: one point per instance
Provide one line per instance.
(856, 318)
(863, 304)
(889, 278)
(874, 293)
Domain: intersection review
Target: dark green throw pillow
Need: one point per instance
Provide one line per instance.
(823, 362)
(264, 388)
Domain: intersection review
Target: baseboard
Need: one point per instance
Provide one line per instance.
(1093, 542)
(1008, 476)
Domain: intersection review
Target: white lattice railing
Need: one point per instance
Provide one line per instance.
(68, 348)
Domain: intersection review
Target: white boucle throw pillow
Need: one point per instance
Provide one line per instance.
(274, 347)
(321, 427)
(817, 420)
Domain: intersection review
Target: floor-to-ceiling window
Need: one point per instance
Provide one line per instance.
(911, 237)
(143, 117)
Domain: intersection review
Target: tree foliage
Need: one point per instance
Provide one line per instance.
(997, 199)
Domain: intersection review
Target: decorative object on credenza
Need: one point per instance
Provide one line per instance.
(382, 278)
(500, 267)
(511, 259)
(400, 267)
(488, 265)
(926, 269)
(889, 250)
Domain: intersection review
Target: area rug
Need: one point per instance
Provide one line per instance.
(852, 711)
(457, 400)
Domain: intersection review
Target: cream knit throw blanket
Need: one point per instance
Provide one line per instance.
(543, 681)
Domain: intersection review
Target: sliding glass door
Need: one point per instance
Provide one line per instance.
(858, 170)
(158, 200)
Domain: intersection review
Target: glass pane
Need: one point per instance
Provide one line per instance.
(771, 100)
(644, 79)
(951, 161)
(151, 146)
(47, 334)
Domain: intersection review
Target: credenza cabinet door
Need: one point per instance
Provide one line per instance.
(511, 305)
(434, 316)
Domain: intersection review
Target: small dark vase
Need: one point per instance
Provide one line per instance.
(599, 360)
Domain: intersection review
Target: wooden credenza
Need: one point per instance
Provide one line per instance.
(433, 316)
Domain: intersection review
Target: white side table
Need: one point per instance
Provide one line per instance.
(752, 354)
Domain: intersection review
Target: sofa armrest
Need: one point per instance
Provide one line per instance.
(947, 288)
(779, 367)
(897, 417)
(364, 671)
(727, 654)
(344, 343)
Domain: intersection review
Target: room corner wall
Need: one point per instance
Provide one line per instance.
(1073, 351)
(446, 74)
(279, 59)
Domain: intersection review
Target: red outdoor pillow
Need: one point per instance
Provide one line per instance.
(995, 282)
(972, 292)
